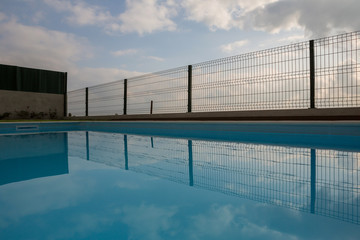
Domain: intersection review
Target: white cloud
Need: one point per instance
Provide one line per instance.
(38, 17)
(82, 13)
(2, 16)
(87, 77)
(147, 16)
(140, 16)
(321, 18)
(213, 13)
(275, 17)
(221, 14)
(159, 59)
(37, 47)
(125, 52)
(292, 38)
(316, 18)
(234, 47)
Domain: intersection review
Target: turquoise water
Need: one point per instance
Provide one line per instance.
(101, 185)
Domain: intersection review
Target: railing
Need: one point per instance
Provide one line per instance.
(322, 73)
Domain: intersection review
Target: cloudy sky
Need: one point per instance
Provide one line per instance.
(99, 41)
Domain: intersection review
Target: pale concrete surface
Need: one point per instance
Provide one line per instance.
(296, 114)
(16, 101)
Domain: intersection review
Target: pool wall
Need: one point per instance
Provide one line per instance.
(351, 128)
(31, 127)
(329, 134)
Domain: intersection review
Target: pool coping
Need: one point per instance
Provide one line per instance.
(350, 128)
(343, 135)
(311, 114)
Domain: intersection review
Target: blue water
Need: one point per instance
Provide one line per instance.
(100, 185)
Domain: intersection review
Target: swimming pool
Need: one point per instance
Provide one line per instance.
(141, 180)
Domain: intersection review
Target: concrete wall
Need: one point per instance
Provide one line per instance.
(15, 101)
(272, 115)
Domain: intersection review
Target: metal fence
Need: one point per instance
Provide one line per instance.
(337, 71)
(167, 91)
(321, 73)
(76, 101)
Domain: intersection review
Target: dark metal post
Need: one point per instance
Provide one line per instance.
(312, 74)
(86, 101)
(189, 87)
(191, 174)
(125, 96)
(151, 106)
(313, 180)
(126, 153)
(65, 94)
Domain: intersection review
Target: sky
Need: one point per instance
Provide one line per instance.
(101, 41)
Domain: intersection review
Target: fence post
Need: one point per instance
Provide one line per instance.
(86, 102)
(189, 88)
(312, 74)
(125, 96)
(65, 94)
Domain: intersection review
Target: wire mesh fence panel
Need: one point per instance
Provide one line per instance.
(271, 79)
(166, 90)
(106, 99)
(337, 71)
(76, 102)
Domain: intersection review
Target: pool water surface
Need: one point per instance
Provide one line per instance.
(112, 185)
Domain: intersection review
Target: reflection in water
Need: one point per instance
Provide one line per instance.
(320, 181)
(100, 199)
(23, 156)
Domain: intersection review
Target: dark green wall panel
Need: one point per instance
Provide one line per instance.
(32, 80)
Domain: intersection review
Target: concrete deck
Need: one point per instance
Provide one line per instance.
(263, 115)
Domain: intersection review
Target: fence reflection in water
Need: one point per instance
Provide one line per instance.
(319, 181)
